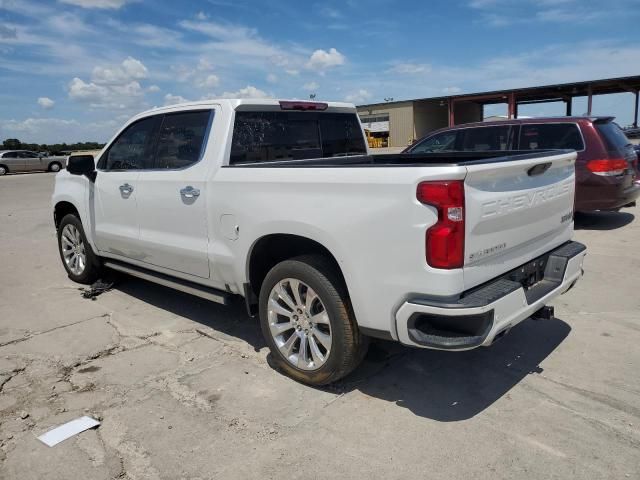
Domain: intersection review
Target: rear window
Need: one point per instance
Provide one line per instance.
(551, 136)
(613, 136)
(276, 136)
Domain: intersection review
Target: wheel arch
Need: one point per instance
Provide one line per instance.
(271, 249)
(63, 208)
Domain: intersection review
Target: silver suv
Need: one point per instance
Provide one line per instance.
(26, 161)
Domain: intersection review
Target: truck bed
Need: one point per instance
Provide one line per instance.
(409, 159)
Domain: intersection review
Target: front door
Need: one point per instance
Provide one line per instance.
(172, 196)
(117, 230)
(32, 161)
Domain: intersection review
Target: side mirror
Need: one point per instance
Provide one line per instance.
(82, 165)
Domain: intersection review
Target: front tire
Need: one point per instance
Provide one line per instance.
(3, 170)
(78, 259)
(55, 167)
(308, 322)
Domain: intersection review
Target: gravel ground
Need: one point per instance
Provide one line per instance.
(184, 389)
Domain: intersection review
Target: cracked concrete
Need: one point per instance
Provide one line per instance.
(184, 389)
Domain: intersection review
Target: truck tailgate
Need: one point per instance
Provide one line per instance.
(515, 211)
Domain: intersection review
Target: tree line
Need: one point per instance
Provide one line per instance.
(52, 149)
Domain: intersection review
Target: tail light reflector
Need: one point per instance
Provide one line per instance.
(609, 167)
(444, 240)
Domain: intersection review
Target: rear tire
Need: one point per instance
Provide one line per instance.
(3, 170)
(78, 259)
(55, 167)
(323, 343)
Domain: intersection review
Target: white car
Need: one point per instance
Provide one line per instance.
(279, 202)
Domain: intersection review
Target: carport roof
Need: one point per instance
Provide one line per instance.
(546, 93)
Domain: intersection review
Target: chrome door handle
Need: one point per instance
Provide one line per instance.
(190, 192)
(126, 189)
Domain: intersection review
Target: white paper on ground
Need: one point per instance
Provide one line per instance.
(69, 429)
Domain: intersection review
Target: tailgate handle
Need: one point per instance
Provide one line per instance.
(539, 169)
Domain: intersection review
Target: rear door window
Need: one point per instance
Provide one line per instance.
(181, 139)
(277, 136)
(442, 142)
(551, 136)
(485, 139)
(614, 138)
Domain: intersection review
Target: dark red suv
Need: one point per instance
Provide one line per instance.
(606, 167)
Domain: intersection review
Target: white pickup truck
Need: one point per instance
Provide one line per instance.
(280, 202)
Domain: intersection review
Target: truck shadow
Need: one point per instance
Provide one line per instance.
(454, 386)
(231, 320)
(443, 386)
(602, 220)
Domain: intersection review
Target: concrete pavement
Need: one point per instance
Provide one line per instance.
(184, 389)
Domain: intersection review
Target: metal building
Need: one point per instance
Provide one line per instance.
(397, 124)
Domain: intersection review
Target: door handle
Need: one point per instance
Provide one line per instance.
(190, 192)
(126, 189)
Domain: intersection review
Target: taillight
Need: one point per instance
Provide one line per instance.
(294, 105)
(609, 167)
(444, 240)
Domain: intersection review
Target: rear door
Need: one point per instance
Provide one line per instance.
(515, 211)
(32, 161)
(172, 196)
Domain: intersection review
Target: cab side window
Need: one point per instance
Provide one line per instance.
(442, 142)
(133, 149)
(181, 139)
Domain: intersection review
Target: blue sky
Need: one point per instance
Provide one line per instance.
(75, 70)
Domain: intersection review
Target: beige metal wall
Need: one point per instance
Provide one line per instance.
(430, 115)
(401, 130)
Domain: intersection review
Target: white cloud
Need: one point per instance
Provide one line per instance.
(46, 103)
(311, 86)
(204, 65)
(130, 69)
(80, 90)
(202, 16)
(209, 81)
(103, 4)
(293, 72)
(272, 78)
(171, 99)
(406, 68)
(153, 88)
(359, 96)
(322, 60)
(451, 90)
(247, 92)
(101, 96)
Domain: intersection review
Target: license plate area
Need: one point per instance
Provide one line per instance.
(531, 273)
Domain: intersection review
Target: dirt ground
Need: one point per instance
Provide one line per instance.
(184, 389)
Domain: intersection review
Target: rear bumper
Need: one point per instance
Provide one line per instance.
(606, 195)
(481, 315)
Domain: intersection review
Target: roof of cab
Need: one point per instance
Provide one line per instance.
(237, 102)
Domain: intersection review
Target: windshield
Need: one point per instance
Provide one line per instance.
(277, 136)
